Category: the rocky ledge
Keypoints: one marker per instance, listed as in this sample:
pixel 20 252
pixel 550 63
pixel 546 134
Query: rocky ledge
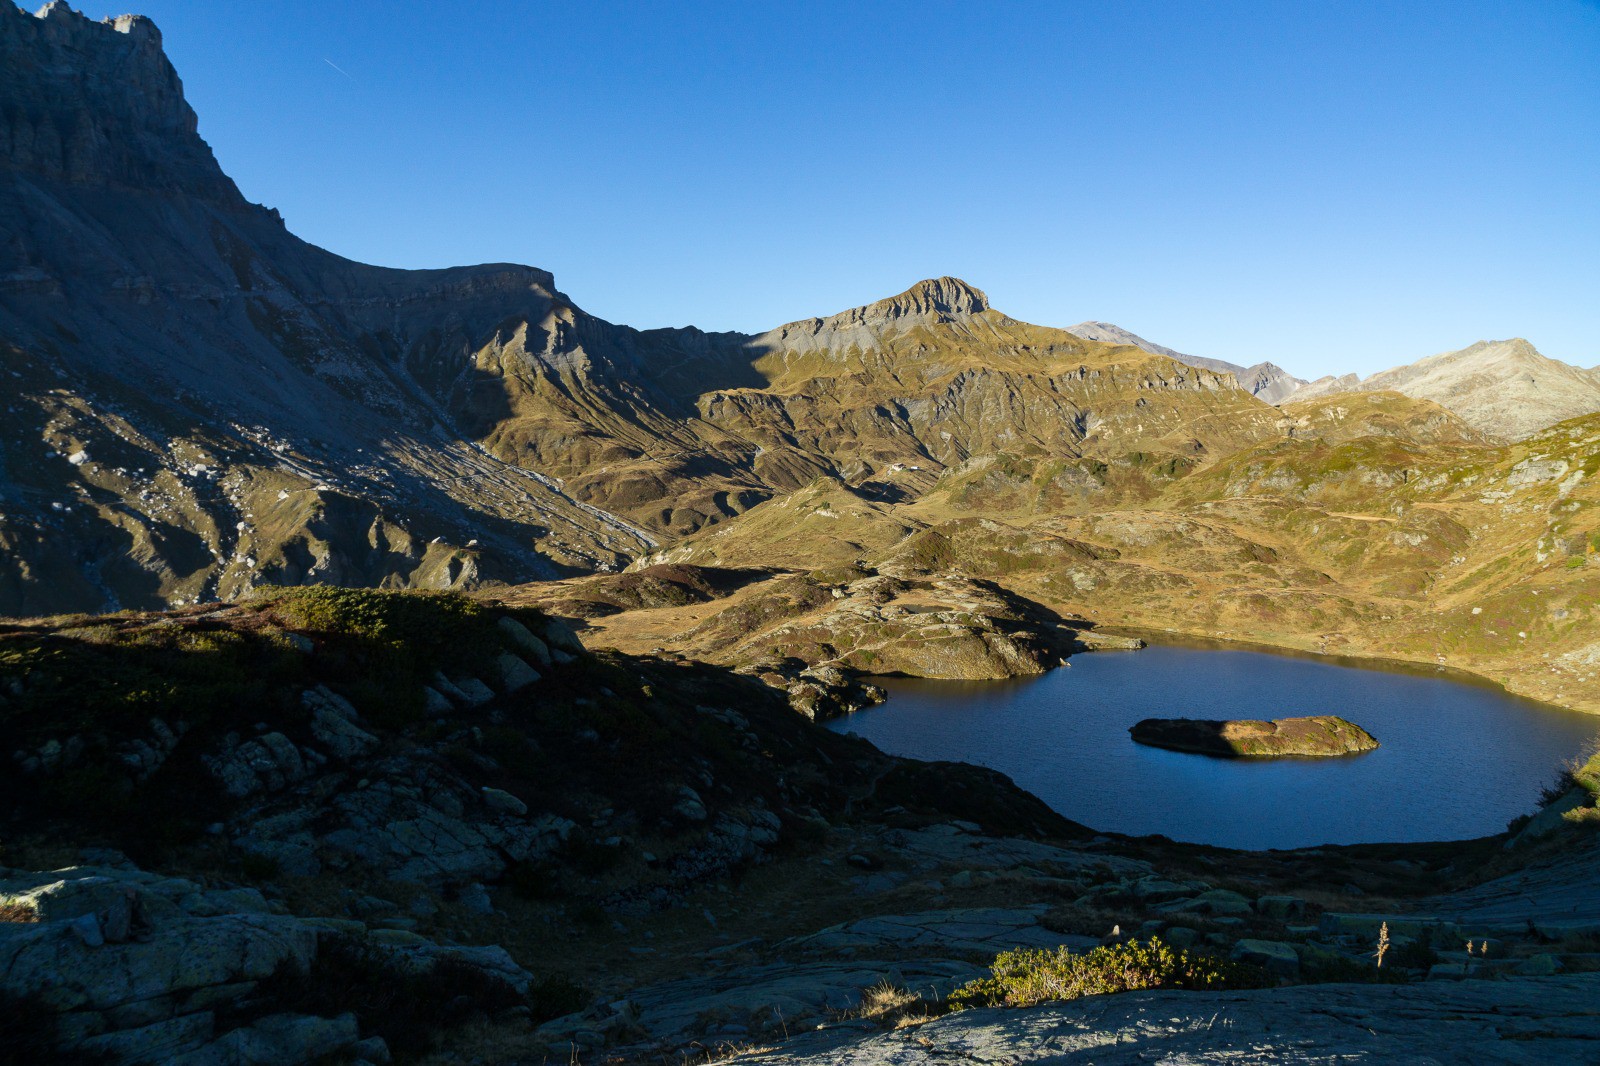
pixel 1317 736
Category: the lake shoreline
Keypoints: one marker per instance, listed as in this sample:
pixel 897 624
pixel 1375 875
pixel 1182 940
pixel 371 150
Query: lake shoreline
pixel 1382 663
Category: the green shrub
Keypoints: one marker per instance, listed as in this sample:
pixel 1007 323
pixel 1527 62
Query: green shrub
pixel 1024 978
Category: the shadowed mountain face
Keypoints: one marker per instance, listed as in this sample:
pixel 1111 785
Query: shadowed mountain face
pixel 201 402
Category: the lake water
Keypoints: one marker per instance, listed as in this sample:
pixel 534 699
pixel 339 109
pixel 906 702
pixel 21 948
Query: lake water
pixel 1457 760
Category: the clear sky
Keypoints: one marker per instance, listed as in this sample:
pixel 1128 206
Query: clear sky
pixel 1333 186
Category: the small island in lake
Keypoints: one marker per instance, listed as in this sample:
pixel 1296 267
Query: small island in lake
pixel 1317 736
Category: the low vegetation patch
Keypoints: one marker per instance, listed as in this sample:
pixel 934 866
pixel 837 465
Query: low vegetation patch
pixel 105 723
pixel 1025 978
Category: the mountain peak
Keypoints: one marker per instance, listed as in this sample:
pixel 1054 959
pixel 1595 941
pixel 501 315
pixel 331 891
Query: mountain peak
pixel 98 104
pixel 943 295
pixel 1111 333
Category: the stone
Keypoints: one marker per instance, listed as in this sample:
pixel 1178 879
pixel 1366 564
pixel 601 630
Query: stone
pixel 1541 966
pixel 162 1042
pixel 449 689
pixel 86 927
pixel 475 898
pixel 525 640
pixel 559 635
pixel 333 725
pixel 515 675
pixel 291 1039
pixel 179 956
pixel 269 763
pixel 976 931
pixel 434 703
pixel 474 693
pixel 292 858
pixel 690 806
pixel 1274 956
pixel 1281 906
pixel 1160 890
pixel 501 800
pixel 373 1049
pixel 1365 927
pixel 1219 901
pixel 1181 936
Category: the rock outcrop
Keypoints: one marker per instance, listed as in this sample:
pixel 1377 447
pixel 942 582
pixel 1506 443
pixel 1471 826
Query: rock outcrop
pixel 134 967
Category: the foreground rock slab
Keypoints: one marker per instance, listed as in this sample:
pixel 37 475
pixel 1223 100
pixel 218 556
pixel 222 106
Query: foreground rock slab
pixel 1543 1020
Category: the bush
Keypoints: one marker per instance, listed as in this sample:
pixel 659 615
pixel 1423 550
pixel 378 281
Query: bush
pixel 1024 978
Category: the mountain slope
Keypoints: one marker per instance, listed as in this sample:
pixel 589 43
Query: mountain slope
pixel 1507 389
pixel 201 402
pixel 205 403
pixel 1265 381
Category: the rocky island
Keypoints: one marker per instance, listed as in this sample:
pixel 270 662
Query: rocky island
pixel 1317 736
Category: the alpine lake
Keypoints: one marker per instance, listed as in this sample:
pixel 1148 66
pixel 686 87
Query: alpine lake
pixel 1457 758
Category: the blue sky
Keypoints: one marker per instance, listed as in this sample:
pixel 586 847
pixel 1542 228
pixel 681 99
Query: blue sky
pixel 1334 187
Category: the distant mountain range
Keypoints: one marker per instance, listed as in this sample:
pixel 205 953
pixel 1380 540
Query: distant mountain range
pixel 1504 388
pixel 1266 381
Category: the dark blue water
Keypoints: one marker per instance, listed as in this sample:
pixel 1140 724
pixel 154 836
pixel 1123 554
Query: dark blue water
pixel 1457 760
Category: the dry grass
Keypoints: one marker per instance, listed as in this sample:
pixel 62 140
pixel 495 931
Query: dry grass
pixel 17 913
pixel 894 1007
pixel 1587 817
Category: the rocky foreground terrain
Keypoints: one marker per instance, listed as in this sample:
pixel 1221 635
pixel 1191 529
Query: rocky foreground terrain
pixel 428 828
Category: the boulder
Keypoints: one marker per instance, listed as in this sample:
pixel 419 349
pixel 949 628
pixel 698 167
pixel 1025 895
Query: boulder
pixel 1218 901
pixel 525 640
pixel 333 725
pixel 560 635
pixel 501 800
pixel 515 674
pixel 1274 956
pixel 1281 906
